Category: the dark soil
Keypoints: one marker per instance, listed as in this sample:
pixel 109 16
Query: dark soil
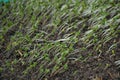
pixel 93 65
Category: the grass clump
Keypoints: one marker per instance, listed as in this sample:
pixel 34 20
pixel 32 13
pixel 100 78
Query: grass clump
pixel 42 37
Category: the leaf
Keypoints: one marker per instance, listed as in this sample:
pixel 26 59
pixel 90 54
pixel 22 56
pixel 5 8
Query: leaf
pixel 117 62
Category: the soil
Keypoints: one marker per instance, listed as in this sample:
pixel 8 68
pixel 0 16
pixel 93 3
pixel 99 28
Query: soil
pixel 98 66
pixel 94 67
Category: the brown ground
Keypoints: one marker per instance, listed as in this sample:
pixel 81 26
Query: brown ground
pixel 93 66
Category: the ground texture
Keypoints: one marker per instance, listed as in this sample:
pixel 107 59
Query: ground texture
pixel 60 40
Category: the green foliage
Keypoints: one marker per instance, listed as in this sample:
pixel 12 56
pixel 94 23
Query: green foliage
pixel 46 31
